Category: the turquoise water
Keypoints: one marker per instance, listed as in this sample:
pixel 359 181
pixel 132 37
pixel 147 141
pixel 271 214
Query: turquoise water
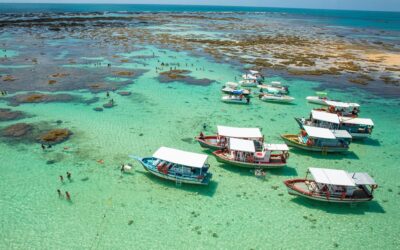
pixel 236 211
pixel 137 210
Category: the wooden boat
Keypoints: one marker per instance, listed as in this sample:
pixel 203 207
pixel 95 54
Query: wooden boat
pixel 266 97
pixel 342 108
pixel 220 140
pixel 319 139
pixel 236 99
pixel 244 153
pixel 357 127
pixel 331 185
pixel 177 165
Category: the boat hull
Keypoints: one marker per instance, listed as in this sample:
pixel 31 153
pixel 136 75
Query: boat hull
pixel 296 187
pixel 291 140
pixel 222 159
pixel 209 142
pixel 153 170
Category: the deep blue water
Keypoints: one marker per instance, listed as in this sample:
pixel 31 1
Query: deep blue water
pixel 349 18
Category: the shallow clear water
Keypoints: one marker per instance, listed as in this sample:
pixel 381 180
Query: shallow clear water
pixel 237 210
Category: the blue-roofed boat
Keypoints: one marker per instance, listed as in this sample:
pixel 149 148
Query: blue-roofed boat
pixel 177 165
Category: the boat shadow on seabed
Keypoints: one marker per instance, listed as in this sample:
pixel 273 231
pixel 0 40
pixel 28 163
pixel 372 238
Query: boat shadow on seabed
pixel 338 208
pixel 208 190
pixel 284 171
pixel 318 155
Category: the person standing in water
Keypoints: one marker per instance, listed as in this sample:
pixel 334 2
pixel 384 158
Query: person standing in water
pixel 62 178
pixel 59 192
pixel 69 176
pixel 68 196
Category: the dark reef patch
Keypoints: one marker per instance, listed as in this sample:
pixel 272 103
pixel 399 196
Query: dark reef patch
pixel 178 75
pixel 55 136
pixel 17 130
pixel 9 115
pixel 40 98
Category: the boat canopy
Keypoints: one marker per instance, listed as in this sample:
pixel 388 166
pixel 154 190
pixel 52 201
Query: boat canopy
pixel 325 116
pixel 357 121
pixel 362 179
pixel 242 145
pixel 276 83
pixel 276 147
pixel 239 132
pixel 342 104
pixel 331 177
pixel 317 132
pixel 254 72
pixel 180 157
pixel 342 134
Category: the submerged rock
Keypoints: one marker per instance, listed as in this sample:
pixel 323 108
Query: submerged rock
pixel 17 130
pixel 124 93
pixel 108 105
pixel 40 98
pixel 182 76
pixel 8 115
pixel 55 136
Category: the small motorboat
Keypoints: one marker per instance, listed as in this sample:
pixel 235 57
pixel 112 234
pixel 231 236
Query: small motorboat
pixel 320 99
pixel 232 88
pixel 248 83
pixel 252 154
pixel 357 127
pixel 178 165
pixel 332 185
pixel 220 140
pixel 320 140
pixel 273 89
pixel 266 97
pixel 236 99
pixel 253 75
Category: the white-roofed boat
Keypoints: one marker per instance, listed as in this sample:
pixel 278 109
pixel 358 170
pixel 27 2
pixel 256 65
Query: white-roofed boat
pixel 357 127
pixel 342 108
pixel 220 140
pixel 319 139
pixel 252 154
pixel 236 99
pixel 178 165
pixel 266 97
pixel 332 185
